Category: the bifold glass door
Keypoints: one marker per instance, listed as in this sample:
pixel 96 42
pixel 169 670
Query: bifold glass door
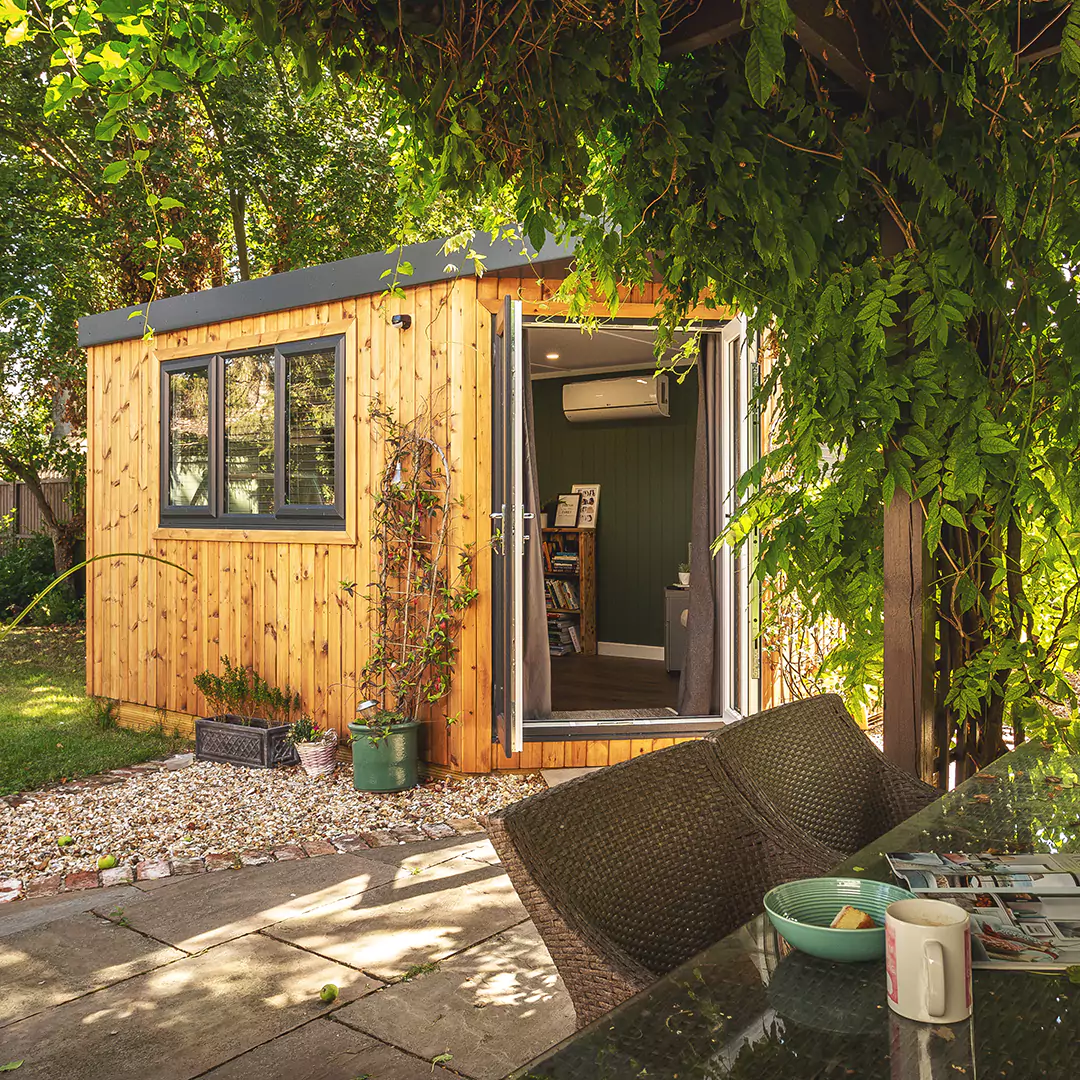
pixel 739 615
pixel 508 527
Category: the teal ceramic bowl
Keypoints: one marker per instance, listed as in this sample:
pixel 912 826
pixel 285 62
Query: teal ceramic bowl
pixel 802 910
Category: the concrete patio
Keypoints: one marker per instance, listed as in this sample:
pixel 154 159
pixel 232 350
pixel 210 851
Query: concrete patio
pixel 439 970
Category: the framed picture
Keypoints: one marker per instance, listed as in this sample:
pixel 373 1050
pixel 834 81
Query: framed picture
pixel 590 503
pixel 567 513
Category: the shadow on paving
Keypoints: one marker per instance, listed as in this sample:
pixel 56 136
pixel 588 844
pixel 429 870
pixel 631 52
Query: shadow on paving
pixel 219 974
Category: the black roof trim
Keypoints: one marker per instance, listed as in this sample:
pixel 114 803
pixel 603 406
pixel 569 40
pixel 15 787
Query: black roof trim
pixel 361 275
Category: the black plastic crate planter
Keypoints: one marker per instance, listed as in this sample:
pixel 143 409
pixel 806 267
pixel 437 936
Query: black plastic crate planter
pixel 254 743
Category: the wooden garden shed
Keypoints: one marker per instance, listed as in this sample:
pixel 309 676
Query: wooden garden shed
pixel 265 568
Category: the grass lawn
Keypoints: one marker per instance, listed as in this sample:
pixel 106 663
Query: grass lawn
pixel 49 729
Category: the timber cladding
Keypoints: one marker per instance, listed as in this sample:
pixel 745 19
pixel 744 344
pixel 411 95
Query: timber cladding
pixel 272 599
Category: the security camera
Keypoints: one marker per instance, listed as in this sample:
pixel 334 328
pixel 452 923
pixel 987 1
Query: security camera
pixel 402 322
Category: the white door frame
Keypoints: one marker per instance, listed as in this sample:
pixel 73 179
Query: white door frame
pixel 738 620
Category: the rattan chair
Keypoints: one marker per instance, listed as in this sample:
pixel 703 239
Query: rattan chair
pixel 630 870
pixel 811 762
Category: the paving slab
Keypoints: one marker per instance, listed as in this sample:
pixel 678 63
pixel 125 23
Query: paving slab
pixel 425 853
pixel 25 914
pixel 497 1005
pixel 324 1050
pixel 416 919
pixel 485 852
pixel 178 1021
pixel 207 909
pixel 56 961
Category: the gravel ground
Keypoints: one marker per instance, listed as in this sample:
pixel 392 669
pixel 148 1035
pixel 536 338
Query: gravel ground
pixel 208 808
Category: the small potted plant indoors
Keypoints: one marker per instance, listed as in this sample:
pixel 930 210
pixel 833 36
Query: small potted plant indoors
pixel 684 573
pixel 317 748
pixel 249 720
pixel 416 605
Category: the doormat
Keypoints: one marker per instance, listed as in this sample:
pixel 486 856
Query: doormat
pixel 613 714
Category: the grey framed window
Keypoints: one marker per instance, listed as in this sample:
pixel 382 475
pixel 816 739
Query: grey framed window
pixel 254 439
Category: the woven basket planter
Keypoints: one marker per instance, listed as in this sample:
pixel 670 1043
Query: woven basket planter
pixel 318 758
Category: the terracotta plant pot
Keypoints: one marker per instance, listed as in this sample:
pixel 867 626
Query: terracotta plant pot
pixel 318 758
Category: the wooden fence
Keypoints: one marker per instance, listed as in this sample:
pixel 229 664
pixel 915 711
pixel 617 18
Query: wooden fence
pixel 20 514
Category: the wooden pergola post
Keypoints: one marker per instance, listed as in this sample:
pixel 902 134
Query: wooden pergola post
pixel 909 660
pixel 909 640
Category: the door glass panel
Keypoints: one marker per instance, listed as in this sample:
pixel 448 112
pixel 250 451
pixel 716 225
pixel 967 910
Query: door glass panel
pixel 310 422
pixel 249 433
pixel 189 437
pixel 736 449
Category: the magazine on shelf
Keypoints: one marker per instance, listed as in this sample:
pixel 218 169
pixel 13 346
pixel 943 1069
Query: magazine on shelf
pixel 1025 909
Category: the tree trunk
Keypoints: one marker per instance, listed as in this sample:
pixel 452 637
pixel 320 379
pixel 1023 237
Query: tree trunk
pixel 64 534
pixel 237 207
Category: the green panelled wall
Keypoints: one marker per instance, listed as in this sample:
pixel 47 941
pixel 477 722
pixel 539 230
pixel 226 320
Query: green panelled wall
pixel 645 472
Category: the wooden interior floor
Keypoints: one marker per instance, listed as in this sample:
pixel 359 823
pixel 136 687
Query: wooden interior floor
pixel 601 682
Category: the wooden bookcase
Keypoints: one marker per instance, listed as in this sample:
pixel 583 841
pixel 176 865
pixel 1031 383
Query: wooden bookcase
pixel 583 578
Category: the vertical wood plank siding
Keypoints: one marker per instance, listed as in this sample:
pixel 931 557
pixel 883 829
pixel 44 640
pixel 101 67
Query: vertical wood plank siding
pixel 272 600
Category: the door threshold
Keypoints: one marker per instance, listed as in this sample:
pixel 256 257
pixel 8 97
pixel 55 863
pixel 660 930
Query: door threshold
pixel 626 728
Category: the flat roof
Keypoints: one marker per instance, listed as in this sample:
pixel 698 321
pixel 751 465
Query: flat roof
pixel 361 275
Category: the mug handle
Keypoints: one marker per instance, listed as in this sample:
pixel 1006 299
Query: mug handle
pixel 934 956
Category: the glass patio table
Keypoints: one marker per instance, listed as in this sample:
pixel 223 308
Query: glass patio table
pixel 742 1009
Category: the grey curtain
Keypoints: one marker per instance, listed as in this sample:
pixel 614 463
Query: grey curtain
pixel 699 681
pixel 537 659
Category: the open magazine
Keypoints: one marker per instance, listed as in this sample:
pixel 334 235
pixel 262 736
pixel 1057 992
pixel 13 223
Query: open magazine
pixel 1025 909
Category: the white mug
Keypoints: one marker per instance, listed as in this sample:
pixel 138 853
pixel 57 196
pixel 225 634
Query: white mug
pixel 928 961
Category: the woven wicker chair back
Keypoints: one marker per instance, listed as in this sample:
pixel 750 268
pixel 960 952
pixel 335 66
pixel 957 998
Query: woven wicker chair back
pixel 816 766
pixel 659 855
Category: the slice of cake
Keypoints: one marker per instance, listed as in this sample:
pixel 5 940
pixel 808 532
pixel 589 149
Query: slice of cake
pixel 851 918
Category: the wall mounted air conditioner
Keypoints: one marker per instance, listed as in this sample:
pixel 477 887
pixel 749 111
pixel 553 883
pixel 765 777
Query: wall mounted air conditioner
pixel 630 397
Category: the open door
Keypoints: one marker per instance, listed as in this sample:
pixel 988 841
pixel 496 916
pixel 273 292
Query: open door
pixel 508 528
pixel 739 621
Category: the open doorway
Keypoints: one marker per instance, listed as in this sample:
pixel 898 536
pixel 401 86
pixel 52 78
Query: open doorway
pixel 614 449
pixel 607 481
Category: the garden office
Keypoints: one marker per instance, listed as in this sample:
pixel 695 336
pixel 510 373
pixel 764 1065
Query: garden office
pixel 233 440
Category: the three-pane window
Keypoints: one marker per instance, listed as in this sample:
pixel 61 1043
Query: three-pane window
pixel 253 439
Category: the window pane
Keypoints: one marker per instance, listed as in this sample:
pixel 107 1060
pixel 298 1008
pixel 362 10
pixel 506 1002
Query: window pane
pixel 310 437
pixel 249 433
pixel 189 437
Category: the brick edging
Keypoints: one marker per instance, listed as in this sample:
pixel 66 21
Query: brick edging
pixel 155 869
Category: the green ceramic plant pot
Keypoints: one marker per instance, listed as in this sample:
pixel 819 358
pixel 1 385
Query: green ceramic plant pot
pixel 391 765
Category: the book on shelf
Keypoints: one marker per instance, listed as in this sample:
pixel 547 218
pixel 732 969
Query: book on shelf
pixel 561 595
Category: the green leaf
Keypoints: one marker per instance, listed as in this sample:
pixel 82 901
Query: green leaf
pixel 593 204
pixel 1070 42
pixel 993 445
pixel 12 11
pixel 107 128
pixel 169 203
pixel 761 74
pixel 174 243
pixel 952 515
pixel 166 80
pixel 11 1066
pixel 115 171
pixel 140 130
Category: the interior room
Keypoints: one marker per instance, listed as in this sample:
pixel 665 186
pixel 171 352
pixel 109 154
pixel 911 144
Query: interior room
pixel 615 468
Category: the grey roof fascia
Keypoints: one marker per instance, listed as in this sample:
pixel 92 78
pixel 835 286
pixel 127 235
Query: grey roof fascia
pixel 361 275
